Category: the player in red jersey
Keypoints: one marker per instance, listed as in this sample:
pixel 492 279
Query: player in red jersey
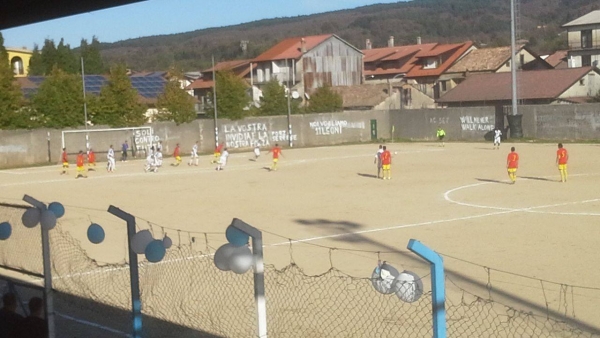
pixel 91 158
pixel 176 155
pixel 65 162
pixel 218 149
pixel 276 150
pixel 512 164
pixel 80 165
pixel 386 163
pixel 562 157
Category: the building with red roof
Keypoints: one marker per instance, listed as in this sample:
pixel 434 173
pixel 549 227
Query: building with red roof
pixel 568 85
pixel 418 67
pixel 310 62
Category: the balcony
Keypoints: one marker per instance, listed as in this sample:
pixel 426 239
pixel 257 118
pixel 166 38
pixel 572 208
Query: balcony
pixel 585 40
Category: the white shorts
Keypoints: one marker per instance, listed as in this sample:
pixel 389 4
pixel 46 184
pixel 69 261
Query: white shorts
pixel 497 140
pixel 194 155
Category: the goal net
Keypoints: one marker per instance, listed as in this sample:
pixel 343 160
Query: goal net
pixel 139 139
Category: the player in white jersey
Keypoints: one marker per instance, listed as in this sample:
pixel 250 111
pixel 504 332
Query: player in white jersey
pixel 497 138
pixel 151 164
pixel 158 158
pixel 194 156
pixel 378 160
pixel 110 156
pixel 256 152
pixel 223 160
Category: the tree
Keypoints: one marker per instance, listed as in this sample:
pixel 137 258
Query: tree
pixel 49 56
pixel 65 59
pixel 36 64
pixel 175 104
pixel 274 100
pixel 118 104
pixel 91 56
pixel 231 95
pixel 325 100
pixel 11 98
pixel 59 100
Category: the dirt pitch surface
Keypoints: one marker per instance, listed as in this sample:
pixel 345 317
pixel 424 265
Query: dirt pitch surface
pixel 455 199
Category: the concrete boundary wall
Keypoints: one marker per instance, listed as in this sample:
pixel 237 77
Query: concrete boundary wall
pixel 548 122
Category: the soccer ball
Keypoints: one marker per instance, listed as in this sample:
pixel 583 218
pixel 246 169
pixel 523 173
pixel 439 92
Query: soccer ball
pixel 395 153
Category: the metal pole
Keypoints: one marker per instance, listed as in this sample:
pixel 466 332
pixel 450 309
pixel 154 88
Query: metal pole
pixel 87 137
pixel 437 284
pixel 49 152
pixel 215 102
pixel 136 303
pixel 289 104
pixel 259 273
pixel 513 51
pixel 48 292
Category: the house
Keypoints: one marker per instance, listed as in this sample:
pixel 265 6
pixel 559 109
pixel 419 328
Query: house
pixel 19 59
pixel 307 63
pixel 584 40
pixel 419 67
pixel 490 60
pixel 553 86
pixel 202 86
pixel 558 59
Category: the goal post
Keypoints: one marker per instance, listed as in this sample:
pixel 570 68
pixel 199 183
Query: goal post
pixel 140 139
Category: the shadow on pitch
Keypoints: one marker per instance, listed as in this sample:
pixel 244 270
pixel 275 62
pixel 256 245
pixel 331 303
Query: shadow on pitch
pixel 367 175
pixel 492 181
pixel 537 178
pixel 342 231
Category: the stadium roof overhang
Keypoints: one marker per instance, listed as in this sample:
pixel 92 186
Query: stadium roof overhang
pixel 16 13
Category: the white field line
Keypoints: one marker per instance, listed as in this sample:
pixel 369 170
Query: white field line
pixel 531 210
pixel 195 171
pixel 98 326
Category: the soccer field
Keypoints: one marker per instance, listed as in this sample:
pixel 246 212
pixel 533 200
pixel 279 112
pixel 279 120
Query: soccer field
pixel 455 199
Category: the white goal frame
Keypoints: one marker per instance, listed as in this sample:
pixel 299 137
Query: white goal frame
pixel 88 131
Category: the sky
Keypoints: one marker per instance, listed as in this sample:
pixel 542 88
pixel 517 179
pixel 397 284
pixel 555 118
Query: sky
pixel 161 17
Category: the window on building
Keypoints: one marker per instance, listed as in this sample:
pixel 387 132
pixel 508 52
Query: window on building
pixel 582 82
pixel 586 60
pixel 444 85
pixel 521 61
pixel 586 38
pixel 507 64
pixel 430 63
pixel 17 66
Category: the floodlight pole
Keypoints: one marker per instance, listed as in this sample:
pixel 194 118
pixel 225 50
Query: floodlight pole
pixel 134 275
pixel 259 273
pixel 87 137
pixel 289 104
pixel 513 51
pixel 48 294
pixel 437 284
pixel 215 102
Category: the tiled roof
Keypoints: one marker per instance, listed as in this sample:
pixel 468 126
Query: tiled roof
pixel 366 95
pixel 228 65
pixel 412 54
pixel 291 48
pixel 534 84
pixel 560 56
pixel 485 59
pixel 394 53
pixel 588 19
pixel 201 84
pixel 452 53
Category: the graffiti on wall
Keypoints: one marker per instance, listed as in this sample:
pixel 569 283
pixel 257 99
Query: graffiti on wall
pixel 477 123
pixel 143 139
pixel 251 135
pixel 439 120
pixel 334 127
pixel 13 149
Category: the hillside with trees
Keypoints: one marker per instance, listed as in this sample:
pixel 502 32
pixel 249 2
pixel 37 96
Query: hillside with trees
pixel 486 22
